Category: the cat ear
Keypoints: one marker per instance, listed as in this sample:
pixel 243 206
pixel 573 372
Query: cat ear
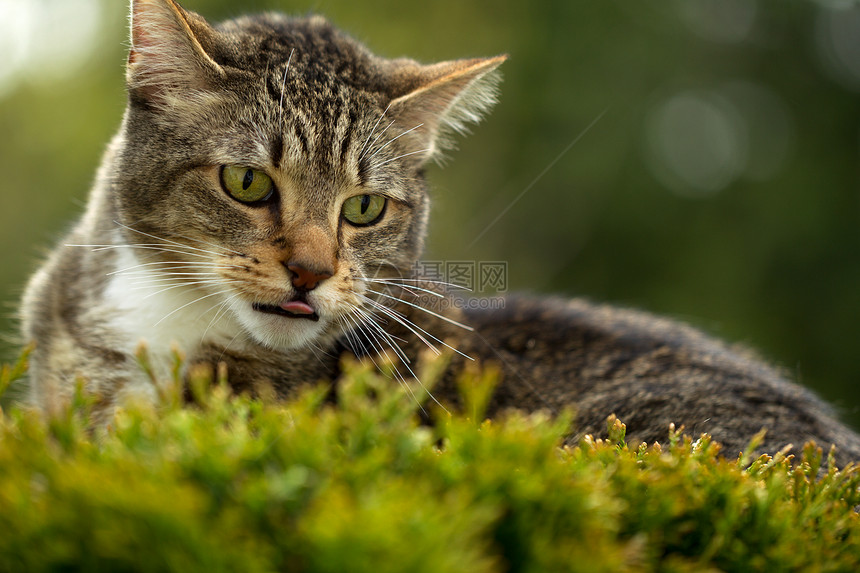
pixel 443 99
pixel 168 53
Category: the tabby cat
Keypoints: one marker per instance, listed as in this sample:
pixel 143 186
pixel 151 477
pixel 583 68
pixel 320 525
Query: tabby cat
pixel 262 206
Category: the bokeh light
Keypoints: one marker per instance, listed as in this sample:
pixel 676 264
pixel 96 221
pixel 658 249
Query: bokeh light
pixel 768 125
pixel 720 20
pixel 44 41
pixel 698 143
pixel 837 39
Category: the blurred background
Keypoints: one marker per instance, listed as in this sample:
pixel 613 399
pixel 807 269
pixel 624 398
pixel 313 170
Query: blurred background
pixel 695 158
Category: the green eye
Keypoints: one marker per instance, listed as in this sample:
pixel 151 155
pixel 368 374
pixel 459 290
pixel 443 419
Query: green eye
pixel 363 209
pixel 245 184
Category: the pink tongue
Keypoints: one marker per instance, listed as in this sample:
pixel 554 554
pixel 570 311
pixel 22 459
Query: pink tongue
pixel 298 307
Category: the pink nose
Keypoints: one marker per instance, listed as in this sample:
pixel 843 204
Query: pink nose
pixel 306 279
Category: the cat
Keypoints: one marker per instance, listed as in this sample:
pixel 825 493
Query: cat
pixel 261 208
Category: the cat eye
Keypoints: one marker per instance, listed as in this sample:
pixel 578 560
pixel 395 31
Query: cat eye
pixel 245 184
pixel 363 209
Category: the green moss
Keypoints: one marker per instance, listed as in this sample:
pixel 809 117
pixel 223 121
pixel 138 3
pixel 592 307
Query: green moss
pixel 241 484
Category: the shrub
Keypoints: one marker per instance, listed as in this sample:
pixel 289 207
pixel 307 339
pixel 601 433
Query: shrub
pixel 235 483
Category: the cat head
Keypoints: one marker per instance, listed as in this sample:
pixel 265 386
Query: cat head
pixel 285 158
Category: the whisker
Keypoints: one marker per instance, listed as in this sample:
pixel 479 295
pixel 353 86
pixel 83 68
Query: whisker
pixel 377 348
pixel 405 322
pixel 371 315
pixel 217 246
pixel 409 324
pixel 370 320
pixel 159 248
pixel 186 280
pixel 393 140
pixel 177 278
pixel 381 133
pixel 268 108
pixel 284 88
pixel 428 311
pixel 229 344
pixel 387 161
pixel 167 264
pixel 168 275
pixel 175 243
pixel 148 285
pixel 144 283
pixel 168 286
pixel 411 289
pixel 165 288
pixel 363 147
pixel 363 319
pixel 428 281
pixel 222 311
pixel 189 304
pixel 397 350
pixel 317 347
pixel 347 331
pixel 322 350
pixel 351 337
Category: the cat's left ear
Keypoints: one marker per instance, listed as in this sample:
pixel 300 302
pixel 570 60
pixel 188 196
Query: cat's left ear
pixel 169 50
pixel 443 99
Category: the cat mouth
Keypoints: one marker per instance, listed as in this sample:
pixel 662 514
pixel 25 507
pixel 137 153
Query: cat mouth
pixel 290 309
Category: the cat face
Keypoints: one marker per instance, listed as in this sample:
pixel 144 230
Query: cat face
pixel 275 165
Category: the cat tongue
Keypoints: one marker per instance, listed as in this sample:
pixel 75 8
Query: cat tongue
pixel 298 307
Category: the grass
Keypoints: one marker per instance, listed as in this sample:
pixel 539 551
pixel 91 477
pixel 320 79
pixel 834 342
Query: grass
pixel 242 484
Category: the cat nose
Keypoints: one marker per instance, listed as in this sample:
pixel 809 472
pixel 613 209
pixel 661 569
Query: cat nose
pixel 304 278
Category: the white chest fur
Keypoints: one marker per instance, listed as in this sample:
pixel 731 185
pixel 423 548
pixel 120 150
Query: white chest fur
pixel 151 307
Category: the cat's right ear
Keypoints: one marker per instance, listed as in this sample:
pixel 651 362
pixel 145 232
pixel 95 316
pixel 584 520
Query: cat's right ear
pixel 168 51
pixel 442 99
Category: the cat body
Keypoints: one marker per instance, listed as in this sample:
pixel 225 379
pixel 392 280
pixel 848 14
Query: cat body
pixel 262 207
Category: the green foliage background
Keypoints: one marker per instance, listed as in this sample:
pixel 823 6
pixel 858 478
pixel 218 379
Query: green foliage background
pixel 770 261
